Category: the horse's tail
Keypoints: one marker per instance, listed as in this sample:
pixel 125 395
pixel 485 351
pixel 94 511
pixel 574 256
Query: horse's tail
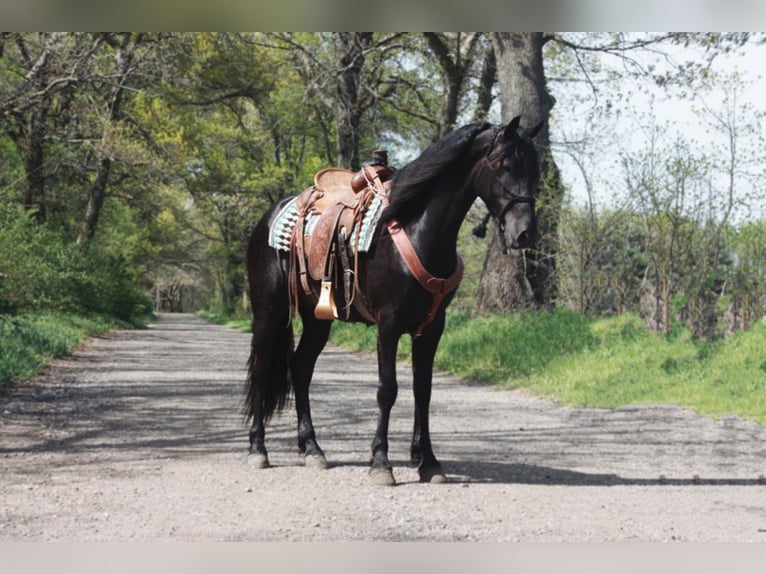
pixel 268 374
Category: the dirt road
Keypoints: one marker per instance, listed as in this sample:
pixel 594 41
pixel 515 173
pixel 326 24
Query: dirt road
pixel 139 436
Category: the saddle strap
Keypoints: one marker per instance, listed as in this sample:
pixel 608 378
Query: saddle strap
pixel 437 286
pixel 298 246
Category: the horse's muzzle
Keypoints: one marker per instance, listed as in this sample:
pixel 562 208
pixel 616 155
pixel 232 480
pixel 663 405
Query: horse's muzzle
pixel 523 240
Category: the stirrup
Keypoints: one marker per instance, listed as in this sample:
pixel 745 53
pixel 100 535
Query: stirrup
pixel 326 308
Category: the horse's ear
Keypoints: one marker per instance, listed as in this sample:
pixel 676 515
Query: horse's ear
pixel 536 130
pixel 511 131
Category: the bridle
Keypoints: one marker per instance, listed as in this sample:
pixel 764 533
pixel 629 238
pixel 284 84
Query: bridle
pixel 513 198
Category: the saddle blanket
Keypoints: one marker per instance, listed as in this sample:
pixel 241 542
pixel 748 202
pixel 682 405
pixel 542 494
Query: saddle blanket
pixel 284 223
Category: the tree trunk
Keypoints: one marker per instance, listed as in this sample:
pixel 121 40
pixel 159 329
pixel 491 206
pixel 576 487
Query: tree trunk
pixel 486 83
pixel 350 55
pixel 125 48
pixel 455 53
pixel 516 280
pixel 34 161
pixel 95 202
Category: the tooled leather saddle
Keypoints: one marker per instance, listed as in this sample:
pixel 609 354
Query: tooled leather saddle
pixel 337 201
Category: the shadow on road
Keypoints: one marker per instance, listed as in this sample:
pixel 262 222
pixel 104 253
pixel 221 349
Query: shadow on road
pixel 514 473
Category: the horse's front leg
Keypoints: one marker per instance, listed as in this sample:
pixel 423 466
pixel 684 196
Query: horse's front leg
pixel 381 471
pixel 423 352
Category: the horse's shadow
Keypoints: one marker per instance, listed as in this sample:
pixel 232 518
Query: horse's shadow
pixel 495 472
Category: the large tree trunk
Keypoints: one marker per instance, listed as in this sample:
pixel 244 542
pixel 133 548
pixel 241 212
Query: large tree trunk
pixel 516 280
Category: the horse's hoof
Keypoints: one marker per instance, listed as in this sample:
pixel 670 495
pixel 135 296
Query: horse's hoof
pixel 258 460
pixel 382 477
pixel 315 461
pixel 432 475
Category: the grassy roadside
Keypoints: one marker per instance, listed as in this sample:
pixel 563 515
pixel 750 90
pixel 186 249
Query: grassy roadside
pixel 617 362
pixel 610 362
pixel 239 324
pixel 30 341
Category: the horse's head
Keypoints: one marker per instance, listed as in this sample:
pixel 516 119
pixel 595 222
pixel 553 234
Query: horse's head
pixel 510 175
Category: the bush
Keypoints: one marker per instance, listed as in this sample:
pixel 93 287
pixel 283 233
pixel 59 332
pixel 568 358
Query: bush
pixel 41 270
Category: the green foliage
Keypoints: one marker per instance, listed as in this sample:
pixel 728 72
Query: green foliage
pixel 603 266
pixel 629 365
pixel 29 341
pixel 41 270
pixel 12 170
pixel 504 347
pixel 360 337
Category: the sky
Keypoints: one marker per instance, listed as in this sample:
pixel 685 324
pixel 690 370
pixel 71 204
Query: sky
pixel 621 136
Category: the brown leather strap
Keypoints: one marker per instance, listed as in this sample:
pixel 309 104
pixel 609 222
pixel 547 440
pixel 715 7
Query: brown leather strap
pixel 437 286
pixel 298 248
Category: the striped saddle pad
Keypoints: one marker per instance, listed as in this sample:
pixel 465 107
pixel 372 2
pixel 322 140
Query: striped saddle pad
pixel 284 223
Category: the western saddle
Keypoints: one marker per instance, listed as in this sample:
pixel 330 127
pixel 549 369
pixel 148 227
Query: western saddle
pixel 338 199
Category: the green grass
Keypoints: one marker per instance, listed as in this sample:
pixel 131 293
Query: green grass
pixel 28 342
pixel 630 365
pixel 239 324
pixel 510 346
pixel 610 362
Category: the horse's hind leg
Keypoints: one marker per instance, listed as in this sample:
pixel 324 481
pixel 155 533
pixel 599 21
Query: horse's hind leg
pixel 268 382
pixel 312 341
pixel 423 352
pixel 272 347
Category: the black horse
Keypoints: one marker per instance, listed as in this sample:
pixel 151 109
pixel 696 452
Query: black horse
pixel 428 200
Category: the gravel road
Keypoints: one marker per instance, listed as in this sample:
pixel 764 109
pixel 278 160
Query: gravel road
pixel 139 436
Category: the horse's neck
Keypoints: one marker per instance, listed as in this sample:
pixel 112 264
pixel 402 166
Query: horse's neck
pixel 434 233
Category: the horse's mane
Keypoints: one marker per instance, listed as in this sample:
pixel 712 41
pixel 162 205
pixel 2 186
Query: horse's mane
pixel 412 181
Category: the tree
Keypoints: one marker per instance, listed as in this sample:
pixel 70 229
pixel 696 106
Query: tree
pixel 456 54
pixel 116 79
pixel 747 282
pixel 40 73
pixel 603 267
pixel 523 60
pixel 510 280
pixel 736 153
pixel 347 74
